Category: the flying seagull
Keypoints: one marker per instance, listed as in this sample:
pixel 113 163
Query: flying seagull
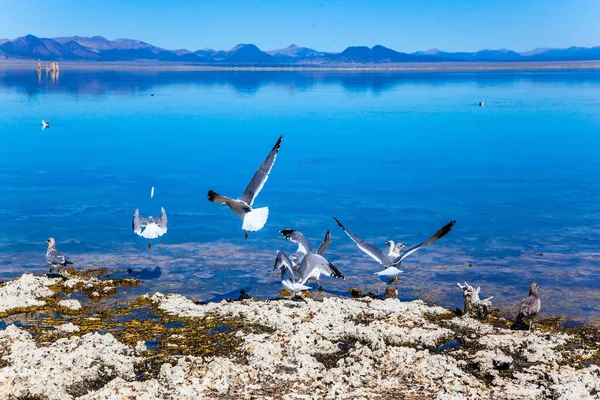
pixel 482 104
pixel 253 218
pixel 530 307
pixel 310 265
pixel 393 258
pixel 55 258
pixel 153 227
pixel 45 124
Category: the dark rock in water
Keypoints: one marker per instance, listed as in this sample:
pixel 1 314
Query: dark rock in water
pixel 391 292
pixel 244 295
pixel 355 292
pixel 372 295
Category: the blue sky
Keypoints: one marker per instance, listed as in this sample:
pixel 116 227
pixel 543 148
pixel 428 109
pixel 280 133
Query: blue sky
pixel 324 25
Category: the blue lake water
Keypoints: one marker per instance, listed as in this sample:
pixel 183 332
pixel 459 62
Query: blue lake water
pixel 393 156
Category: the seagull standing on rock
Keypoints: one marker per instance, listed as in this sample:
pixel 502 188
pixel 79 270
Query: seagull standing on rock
pixel 253 219
pixel 530 307
pixel 55 258
pixel 153 227
pixel 393 259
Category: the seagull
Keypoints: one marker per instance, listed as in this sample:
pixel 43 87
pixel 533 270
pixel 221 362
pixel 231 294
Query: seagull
pixel 310 265
pixel 45 124
pixel 253 218
pixel 394 248
pixel 391 260
pixel 531 306
pixel 55 258
pixel 154 227
pixel 298 238
pixel 290 278
pixel 482 104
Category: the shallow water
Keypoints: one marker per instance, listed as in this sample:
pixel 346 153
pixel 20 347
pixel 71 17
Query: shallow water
pixel 393 156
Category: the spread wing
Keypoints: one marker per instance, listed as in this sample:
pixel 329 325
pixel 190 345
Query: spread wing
pixel 436 236
pixel 367 248
pixel 299 239
pixel 162 220
pixel 323 246
pixel 261 176
pixel 138 222
pixel 55 257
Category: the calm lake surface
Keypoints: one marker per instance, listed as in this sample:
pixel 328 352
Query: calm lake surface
pixel 393 156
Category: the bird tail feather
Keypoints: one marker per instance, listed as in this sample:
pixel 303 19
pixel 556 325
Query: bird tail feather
pixel 255 219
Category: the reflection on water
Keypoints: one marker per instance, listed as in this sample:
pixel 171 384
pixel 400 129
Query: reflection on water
pixel 249 82
pixel 392 155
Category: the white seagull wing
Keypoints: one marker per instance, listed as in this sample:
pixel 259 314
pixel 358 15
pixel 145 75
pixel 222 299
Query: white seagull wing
pixel 298 238
pixel 323 246
pixel 443 231
pixel 138 222
pixel 367 248
pixel 261 176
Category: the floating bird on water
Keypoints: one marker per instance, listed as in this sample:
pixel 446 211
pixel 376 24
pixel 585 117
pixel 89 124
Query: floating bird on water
pixel 308 264
pixel 45 124
pixel 253 218
pixel 153 227
pixel 530 307
pixel 393 259
pixel 55 258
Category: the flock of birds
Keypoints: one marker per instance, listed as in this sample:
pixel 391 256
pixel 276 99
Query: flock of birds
pixel 304 264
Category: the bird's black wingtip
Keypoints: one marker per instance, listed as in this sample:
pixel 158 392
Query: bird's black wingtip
pixel 339 223
pixel 278 144
pixel 211 195
pixel 287 232
pixel 336 272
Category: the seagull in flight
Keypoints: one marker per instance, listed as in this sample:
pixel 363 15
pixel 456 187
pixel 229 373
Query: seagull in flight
pixel 55 258
pixel 307 264
pixel 253 218
pixel 393 258
pixel 45 124
pixel 153 227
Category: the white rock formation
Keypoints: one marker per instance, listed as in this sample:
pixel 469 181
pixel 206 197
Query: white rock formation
pixel 71 304
pixel 337 348
pixel 25 292
pixel 64 369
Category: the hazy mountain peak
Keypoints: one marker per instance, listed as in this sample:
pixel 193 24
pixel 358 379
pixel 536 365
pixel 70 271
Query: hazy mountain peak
pixel 123 49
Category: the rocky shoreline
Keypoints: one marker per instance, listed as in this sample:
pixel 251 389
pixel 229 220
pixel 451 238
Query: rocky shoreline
pixel 68 343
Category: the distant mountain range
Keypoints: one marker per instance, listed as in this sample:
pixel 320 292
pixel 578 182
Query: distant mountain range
pixel 97 48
